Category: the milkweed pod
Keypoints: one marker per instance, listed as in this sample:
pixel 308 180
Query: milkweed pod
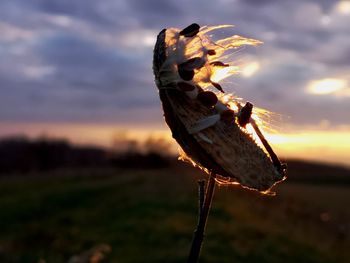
pixel 203 124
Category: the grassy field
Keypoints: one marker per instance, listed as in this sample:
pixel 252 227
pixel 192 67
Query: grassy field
pixel 150 216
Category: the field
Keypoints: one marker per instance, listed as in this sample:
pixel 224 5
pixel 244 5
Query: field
pixel 149 215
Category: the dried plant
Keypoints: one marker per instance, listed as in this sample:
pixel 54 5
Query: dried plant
pixel 215 131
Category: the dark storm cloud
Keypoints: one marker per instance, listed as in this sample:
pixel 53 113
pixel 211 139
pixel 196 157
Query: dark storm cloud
pixel 90 60
pixel 90 81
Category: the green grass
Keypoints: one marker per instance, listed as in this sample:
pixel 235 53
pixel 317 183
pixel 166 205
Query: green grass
pixel 150 216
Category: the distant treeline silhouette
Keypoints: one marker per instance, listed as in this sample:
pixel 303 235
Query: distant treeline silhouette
pixel 20 154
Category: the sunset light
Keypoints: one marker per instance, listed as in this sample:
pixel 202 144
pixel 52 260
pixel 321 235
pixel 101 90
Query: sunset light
pixel 303 142
pixel 69 70
pixel 122 120
pixel 343 7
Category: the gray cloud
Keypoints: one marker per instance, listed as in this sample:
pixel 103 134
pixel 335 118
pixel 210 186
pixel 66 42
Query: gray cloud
pixel 91 60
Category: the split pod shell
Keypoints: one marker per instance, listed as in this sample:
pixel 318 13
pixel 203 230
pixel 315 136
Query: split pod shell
pixel 232 153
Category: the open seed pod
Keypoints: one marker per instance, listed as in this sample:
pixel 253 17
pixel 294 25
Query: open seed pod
pixel 210 129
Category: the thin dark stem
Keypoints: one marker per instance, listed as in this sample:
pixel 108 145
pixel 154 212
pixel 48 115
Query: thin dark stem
pixel 201 195
pixel 281 167
pixel 199 233
pixel 266 144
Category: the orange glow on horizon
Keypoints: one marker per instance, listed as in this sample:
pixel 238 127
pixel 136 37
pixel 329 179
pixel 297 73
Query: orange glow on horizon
pixel 325 146
pixel 332 146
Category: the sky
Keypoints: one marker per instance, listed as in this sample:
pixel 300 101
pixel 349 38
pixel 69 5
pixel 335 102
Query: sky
pixel 83 69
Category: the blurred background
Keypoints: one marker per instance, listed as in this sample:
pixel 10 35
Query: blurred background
pixel 88 169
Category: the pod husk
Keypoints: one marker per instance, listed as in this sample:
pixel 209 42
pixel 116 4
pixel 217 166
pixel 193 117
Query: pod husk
pixel 233 153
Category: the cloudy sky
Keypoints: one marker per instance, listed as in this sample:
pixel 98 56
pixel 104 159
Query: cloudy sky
pixel 89 62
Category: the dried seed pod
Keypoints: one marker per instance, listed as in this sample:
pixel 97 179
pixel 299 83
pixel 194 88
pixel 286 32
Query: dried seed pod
pixel 231 151
pixel 190 31
pixel 207 98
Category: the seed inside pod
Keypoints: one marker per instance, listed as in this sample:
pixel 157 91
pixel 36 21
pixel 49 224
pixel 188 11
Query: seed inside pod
pixel 211 52
pixel 244 114
pixel 219 64
pixel 186 74
pixel 186 69
pixel 207 98
pixel 228 116
pixel 193 63
pixel 190 31
pixel 217 85
pixel 184 86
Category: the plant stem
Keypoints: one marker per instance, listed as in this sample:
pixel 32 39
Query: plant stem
pixel 203 216
pixel 201 195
